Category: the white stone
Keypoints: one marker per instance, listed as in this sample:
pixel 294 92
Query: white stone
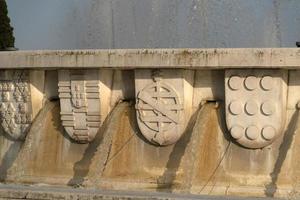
pixel 235 107
pixel 161 110
pixel 267 82
pixel 268 108
pixel 79 95
pixel 264 98
pixel 250 82
pixel 251 107
pixel 271 58
pixel 237 132
pixel 252 132
pixel 235 82
pixel 268 132
pixel 21 100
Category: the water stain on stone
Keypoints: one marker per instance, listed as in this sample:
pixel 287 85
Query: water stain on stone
pixel 208 153
pixel 103 139
pixel 120 160
pixel 271 188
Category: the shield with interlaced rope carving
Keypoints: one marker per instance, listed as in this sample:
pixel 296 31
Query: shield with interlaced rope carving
pixel 159 113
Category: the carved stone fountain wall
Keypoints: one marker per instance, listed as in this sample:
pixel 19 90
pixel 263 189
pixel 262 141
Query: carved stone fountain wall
pixel 202 121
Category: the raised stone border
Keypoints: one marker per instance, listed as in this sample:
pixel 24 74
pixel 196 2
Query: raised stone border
pixel 55 193
pixel 287 58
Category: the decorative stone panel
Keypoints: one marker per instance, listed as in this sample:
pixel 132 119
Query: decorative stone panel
pixel 80 103
pixel 15 104
pixel 255 105
pixel 159 105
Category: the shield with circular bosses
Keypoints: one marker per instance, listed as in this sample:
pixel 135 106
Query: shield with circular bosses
pixel 255 105
pixel 159 112
pixel 80 103
pixel 15 106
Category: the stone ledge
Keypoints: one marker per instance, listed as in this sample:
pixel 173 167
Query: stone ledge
pixel 43 192
pixel 287 58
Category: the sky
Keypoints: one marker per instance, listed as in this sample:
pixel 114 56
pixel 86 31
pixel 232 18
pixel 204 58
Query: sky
pixel 102 24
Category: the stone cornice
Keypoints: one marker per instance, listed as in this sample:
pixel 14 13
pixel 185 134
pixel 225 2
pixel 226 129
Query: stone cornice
pixel 286 58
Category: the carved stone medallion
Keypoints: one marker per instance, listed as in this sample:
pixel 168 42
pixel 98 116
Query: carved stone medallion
pixel 159 111
pixel 255 105
pixel 80 103
pixel 15 105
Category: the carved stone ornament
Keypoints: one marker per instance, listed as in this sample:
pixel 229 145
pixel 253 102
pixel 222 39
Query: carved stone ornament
pixel 255 105
pixel 15 105
pixel 159 110
pixel 80 103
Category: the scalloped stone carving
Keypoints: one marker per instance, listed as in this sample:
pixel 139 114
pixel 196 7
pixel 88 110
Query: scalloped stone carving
pixel 255 105
pixel 80 103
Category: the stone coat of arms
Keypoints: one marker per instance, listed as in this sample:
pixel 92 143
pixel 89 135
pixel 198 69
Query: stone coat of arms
pixel 15 106
pixel 80 103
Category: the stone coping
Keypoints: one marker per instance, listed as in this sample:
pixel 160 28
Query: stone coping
pixel 46 192
pixel 286 58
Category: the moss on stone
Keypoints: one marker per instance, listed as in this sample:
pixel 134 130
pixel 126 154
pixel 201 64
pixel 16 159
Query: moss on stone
pixel 6 31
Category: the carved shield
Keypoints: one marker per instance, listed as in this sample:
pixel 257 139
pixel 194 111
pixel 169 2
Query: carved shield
pixel 15 106
pixel 159 109
pixel 80 103
pixel 78 92
pixel 255 105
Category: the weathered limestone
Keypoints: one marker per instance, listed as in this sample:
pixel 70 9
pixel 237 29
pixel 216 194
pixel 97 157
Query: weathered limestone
pixel 17 101
pixel 44 192
pixel 200 121
pixel 272 58
pixel 79 95
pixel 160 105
pixel 255 105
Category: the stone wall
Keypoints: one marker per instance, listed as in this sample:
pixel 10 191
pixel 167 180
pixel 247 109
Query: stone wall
pixel 199 121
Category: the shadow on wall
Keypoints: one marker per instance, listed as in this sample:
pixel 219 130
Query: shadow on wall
pixel 271 188
pixel 166 181
pixel 9 157
pixel 198 139
pixel 100 145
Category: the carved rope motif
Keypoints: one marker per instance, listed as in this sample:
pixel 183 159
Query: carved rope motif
pixel 80 104
pixel 15 106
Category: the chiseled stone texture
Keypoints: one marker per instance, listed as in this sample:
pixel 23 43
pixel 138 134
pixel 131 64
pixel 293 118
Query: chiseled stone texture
pixel 20 100
pixel 162 113
pixel 79 95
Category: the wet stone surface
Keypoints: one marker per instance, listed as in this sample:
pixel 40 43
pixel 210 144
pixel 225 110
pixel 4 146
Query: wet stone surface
pixel 52 193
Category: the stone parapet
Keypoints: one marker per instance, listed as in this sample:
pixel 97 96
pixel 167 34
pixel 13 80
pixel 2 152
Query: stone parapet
pixel 199 121
pixel 286 58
